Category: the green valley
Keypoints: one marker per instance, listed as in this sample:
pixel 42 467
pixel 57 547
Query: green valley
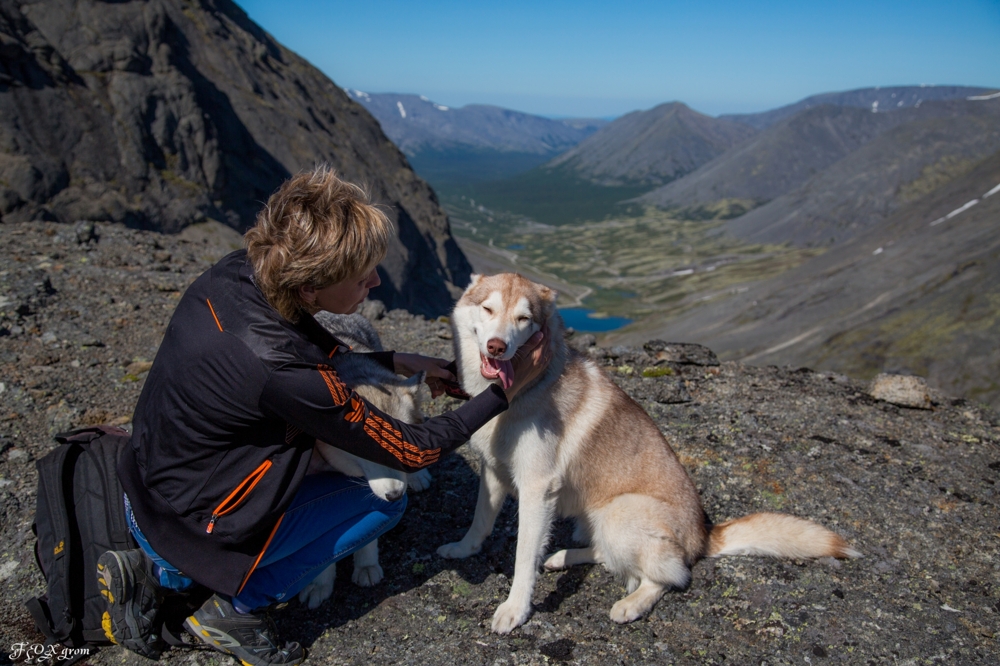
pixel 641 262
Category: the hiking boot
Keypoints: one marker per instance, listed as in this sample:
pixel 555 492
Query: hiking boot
pixel 250 637
pixel 133 594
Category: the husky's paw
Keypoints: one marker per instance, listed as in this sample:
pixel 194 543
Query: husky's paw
pixel 419 480
pixel 457 550
pixel 556 562
pixel 509 616
pixel 626 610
pixel 318 591
pixel 367 576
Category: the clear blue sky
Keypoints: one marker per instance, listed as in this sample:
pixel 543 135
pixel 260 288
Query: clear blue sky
pixel 586 58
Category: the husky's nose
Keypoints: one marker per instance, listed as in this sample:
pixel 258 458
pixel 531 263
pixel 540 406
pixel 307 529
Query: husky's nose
pixel 496 346
pixel 394 495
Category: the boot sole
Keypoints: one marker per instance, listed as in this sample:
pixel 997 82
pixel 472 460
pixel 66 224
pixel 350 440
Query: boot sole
pixel 117 588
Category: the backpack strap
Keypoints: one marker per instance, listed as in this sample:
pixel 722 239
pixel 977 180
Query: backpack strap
pixel 54 545
pixel 40 613
pixel 89 434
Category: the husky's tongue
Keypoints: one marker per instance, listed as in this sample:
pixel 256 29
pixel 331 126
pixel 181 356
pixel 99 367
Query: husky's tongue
pixel 493 368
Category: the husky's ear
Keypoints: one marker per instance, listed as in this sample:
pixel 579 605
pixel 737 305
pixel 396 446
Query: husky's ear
pixel 549 297
pixel 474 280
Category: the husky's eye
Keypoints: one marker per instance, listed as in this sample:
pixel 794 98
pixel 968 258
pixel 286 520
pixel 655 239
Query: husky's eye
pixel 523 320
pixel 488 311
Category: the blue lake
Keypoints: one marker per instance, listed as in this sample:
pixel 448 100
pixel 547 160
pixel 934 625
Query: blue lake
pixel 580 320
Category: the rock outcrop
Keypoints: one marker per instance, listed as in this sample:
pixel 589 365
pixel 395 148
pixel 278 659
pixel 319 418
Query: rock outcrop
pixel 165 113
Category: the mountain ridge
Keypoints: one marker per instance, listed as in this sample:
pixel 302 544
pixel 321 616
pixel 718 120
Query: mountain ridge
pixel 453 147
pixel 786 155
pixel 879 98
pixel 629 150
pixel 872 182
pixel 415 123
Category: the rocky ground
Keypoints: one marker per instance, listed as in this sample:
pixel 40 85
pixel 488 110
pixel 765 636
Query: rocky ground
pixel 914 490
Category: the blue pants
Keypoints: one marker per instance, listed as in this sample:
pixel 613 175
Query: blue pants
pixel 331 516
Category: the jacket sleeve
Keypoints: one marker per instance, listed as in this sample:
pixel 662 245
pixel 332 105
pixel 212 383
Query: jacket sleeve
pixel 314 400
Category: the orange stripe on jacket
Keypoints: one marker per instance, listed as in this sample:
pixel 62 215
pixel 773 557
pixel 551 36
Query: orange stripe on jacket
pixel 357 413
pixel 261 554
pixel 214 316
pixel 377 428
pixel 392 441
pixel 338 390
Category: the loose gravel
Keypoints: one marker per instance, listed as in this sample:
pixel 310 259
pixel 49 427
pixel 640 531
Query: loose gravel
pixel 82 310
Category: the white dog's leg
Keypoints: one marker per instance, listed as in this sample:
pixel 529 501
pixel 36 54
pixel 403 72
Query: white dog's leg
pixel 639 545
pixel 419 480
pixel 318 591
pixel 367 571
pixel 564 559
pixel 492 492
pixel 536 510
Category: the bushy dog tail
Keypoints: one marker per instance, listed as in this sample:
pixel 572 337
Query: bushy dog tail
pixel 776 535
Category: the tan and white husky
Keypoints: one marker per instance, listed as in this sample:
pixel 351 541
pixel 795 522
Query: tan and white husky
pixel 574 444
pixel 400 398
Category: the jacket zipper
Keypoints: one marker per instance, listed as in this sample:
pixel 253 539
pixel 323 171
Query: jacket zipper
pixel 239 493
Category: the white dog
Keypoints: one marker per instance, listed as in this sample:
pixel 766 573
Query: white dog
pixel 575 444
pixel 395 396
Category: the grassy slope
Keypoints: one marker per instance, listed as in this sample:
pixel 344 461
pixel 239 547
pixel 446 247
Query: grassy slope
pixel 903 297
pixel 633 265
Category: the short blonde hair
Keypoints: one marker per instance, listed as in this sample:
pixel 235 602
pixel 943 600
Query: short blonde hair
pixel 315 230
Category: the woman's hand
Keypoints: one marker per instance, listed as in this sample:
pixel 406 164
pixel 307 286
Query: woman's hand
pixel 529 361
pixel 410 364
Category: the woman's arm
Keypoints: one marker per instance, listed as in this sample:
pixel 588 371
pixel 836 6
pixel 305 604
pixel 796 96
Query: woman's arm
pixel 314 400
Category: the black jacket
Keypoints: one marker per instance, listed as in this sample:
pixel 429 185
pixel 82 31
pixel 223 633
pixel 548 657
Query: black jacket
pixel 226 422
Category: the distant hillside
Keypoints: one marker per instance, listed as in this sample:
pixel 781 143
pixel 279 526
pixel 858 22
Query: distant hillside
pixel 470 143
pixel 916 294
pixel 652 147
pixel 785 156
pixel 894 169
pixel 415 123
pixel 622 160
pixel 159 115
pixel 875 99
